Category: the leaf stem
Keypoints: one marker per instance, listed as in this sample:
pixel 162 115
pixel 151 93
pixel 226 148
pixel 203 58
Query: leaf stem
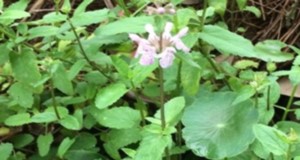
pixel 83 53
pixel 289 104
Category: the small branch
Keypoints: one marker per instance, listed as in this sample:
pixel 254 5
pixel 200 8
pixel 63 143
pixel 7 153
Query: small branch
pixel 109 4
pixel 83 53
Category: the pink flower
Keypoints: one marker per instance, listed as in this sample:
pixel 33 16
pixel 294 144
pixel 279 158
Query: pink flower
pixel 159 47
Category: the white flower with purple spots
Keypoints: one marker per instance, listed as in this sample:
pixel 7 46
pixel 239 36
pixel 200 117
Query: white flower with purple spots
pixel 161 47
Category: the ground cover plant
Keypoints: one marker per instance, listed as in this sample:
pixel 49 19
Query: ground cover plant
pixel 146 80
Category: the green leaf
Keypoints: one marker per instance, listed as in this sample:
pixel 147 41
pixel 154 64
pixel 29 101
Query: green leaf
pixel 270 50
pixel 13 14
pixel 227 41
pixel 83 154
pixel 82 7
pixel 119 118
pixel 88 18
pixel 244 64
pixel 220 126
pixel 64 147
pixel 49 115
pixel 110 94
pixel 116 139
pixel 70 122
pixel 294 75
pixel 29 74
pixel 75 69
pixel 126 25
pixel 60 79
pixel 140 73
pixel 43 31
pixel 21 140
pixel 4 56
pixel 184 15
pixel 18 119
pixel 219 5
pixel 5 150
pixel 271 139
pixel 44 144
pixel 22 94
pixel 253 10
pixel 152 147
pixel 173 110
pixel 190 78
pixel 84 141
pixel 241 4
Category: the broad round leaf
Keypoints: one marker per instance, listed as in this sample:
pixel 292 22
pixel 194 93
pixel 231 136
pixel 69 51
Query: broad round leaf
pixel 216 128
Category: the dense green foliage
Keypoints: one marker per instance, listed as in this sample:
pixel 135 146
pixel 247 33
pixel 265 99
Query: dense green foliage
pixel 72 89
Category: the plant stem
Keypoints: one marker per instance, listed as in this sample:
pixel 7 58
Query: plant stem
pixel 162 98
pixel 288 154
pixel 203 14
pixel 83 53
pixel 54 100
pixel 139 100
pixel 289 104
pixel 122 4
pixel 268 98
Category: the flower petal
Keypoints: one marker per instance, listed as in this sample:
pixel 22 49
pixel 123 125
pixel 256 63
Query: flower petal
pixel 152 37
pixel 180 45
pixel 167 57
pixel 135 38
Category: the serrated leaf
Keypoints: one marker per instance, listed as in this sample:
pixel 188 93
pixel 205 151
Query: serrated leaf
pixel 152 147
pixel 64 147
pixel 110 94
pixel 60 79
pixel 227 41
pixel 44 143
pixel 75 69
pixel 18 119
pixel 173 110
pixel 294 75
pixel 116 139
pixel 190 78
pixel 5 150
pixel 24 67
pixel 22 94
pixel 119 118
pixel 126 25
pixel 270 139
pixel 43 31
pixel 70 122
pixel 13 14
pixel 82 7
pixel 271 51
pixel 219 5
pixel 21 140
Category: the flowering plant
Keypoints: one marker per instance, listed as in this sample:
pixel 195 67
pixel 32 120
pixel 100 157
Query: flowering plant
pixel 162 47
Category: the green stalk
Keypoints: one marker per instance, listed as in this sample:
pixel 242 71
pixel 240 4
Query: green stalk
pixel 122 4
pixel 83 53
pixel 268 98
pixel 162 98
pixel 205 5
pixel 139 100
pixel 289 104
pixel 54 103
pixel 288 154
